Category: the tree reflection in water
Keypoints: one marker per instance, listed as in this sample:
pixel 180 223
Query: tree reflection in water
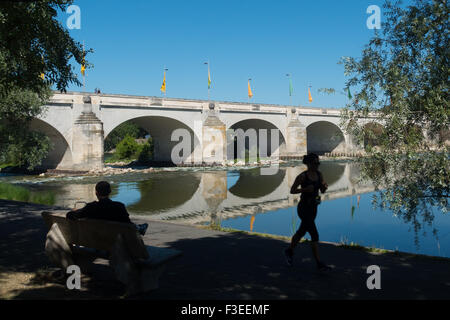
pixel 414 188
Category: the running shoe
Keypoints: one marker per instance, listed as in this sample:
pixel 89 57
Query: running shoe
pixel 323 267
pixel 289 255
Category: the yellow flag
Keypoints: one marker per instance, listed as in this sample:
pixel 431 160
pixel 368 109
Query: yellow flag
pixel 83 63
pixel 42 73
pixel 309 96
pixel 252 221
pixel 163 86
pixel 209 78
pixel 250 94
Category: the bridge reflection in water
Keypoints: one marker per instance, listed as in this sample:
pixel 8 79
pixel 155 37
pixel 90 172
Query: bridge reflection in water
pixel 208 197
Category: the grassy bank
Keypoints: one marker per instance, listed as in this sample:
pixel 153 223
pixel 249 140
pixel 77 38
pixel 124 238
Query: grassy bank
pixel 351 246
pixel 12 192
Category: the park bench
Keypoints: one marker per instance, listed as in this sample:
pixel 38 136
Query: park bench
pixel 80 242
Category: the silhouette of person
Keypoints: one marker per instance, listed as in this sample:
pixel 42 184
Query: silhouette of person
pixel 310 182
pixel 104 208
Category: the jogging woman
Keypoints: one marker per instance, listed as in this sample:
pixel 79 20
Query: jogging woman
pixel 310 182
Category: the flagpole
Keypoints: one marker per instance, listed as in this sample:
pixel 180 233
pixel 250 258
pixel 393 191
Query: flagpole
pixel 207 63
pixel 84 61
pixel 209 86
pixel 165 84
pixel 290 95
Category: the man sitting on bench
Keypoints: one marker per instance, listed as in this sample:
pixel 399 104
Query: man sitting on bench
pixel 105 208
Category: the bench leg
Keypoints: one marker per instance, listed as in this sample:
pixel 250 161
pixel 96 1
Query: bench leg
pixel 149 278
pixel 137 278
pixel 125 269
pixel 57 248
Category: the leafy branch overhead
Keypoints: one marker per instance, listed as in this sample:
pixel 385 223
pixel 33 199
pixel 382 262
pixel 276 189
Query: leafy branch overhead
pixel 402 78
pixel 32 43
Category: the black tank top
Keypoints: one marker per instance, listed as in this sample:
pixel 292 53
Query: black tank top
pixel 316 184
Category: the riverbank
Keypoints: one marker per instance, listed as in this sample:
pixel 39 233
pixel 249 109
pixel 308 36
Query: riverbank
pixel 216 265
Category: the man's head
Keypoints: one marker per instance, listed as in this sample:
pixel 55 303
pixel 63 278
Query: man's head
pixel 102 189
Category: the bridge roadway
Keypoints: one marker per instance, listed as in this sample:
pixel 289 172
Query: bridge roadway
pixel 77 124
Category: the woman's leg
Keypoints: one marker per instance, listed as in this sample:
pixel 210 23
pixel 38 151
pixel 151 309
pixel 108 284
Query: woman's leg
pixel 301 230
pixel 315 245
pixel 298 235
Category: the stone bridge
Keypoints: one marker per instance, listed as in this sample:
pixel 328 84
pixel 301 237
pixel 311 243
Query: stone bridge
pixel 77 124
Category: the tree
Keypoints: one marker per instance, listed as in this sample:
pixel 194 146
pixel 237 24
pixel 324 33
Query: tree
pixel 127 148
pixel 146 152
pixel 32 43
pixel 121 131
pixel 403 77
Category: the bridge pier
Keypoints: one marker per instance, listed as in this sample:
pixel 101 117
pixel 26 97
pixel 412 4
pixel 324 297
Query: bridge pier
pixel 87 140
pixel 214 139
pixel 295 138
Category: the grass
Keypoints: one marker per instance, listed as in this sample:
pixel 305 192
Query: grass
pixel 12 192
pixel 4 165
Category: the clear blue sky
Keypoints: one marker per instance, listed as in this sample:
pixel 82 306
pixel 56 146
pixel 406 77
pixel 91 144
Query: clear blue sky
pixel 263 40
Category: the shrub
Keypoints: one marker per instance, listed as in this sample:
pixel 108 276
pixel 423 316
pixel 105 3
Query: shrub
pixel 127 148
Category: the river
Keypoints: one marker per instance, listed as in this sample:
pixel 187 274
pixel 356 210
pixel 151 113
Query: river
pixel 245 199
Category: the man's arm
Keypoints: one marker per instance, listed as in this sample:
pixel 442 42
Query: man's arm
pixel 124 216
pixel 78 214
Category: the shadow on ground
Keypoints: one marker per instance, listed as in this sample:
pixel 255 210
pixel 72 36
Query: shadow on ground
pixel 215 265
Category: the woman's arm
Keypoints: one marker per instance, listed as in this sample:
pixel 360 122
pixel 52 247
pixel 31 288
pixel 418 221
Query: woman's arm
pixel 323 184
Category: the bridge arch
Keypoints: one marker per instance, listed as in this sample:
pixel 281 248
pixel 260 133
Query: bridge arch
pixel 60 153
pixel 161 129
pixel 252 185
pixel 157 193
pixel 256 124
pixel 325 137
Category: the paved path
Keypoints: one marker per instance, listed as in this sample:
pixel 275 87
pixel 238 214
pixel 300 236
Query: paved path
pixel 221 265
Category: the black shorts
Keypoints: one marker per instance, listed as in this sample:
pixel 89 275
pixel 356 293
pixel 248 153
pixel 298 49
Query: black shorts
pixel 307 209
pixel 307 212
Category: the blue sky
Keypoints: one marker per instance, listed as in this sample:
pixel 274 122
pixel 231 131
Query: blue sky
pixel 262 40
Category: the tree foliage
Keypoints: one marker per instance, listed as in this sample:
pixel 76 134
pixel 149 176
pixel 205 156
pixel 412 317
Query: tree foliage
pixel 32 42
pixel 402 80
pixel 128 149
pixel 121 131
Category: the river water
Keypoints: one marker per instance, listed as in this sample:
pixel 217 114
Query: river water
pixel 245 199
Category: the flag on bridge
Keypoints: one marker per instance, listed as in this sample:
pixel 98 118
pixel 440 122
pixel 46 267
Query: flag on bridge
pixel 250 94
pixel 291 89
pixel 209 78
pixel 349 94
pixel 83 63
pixel 309 96
pixel 163 86
pixel 42 73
